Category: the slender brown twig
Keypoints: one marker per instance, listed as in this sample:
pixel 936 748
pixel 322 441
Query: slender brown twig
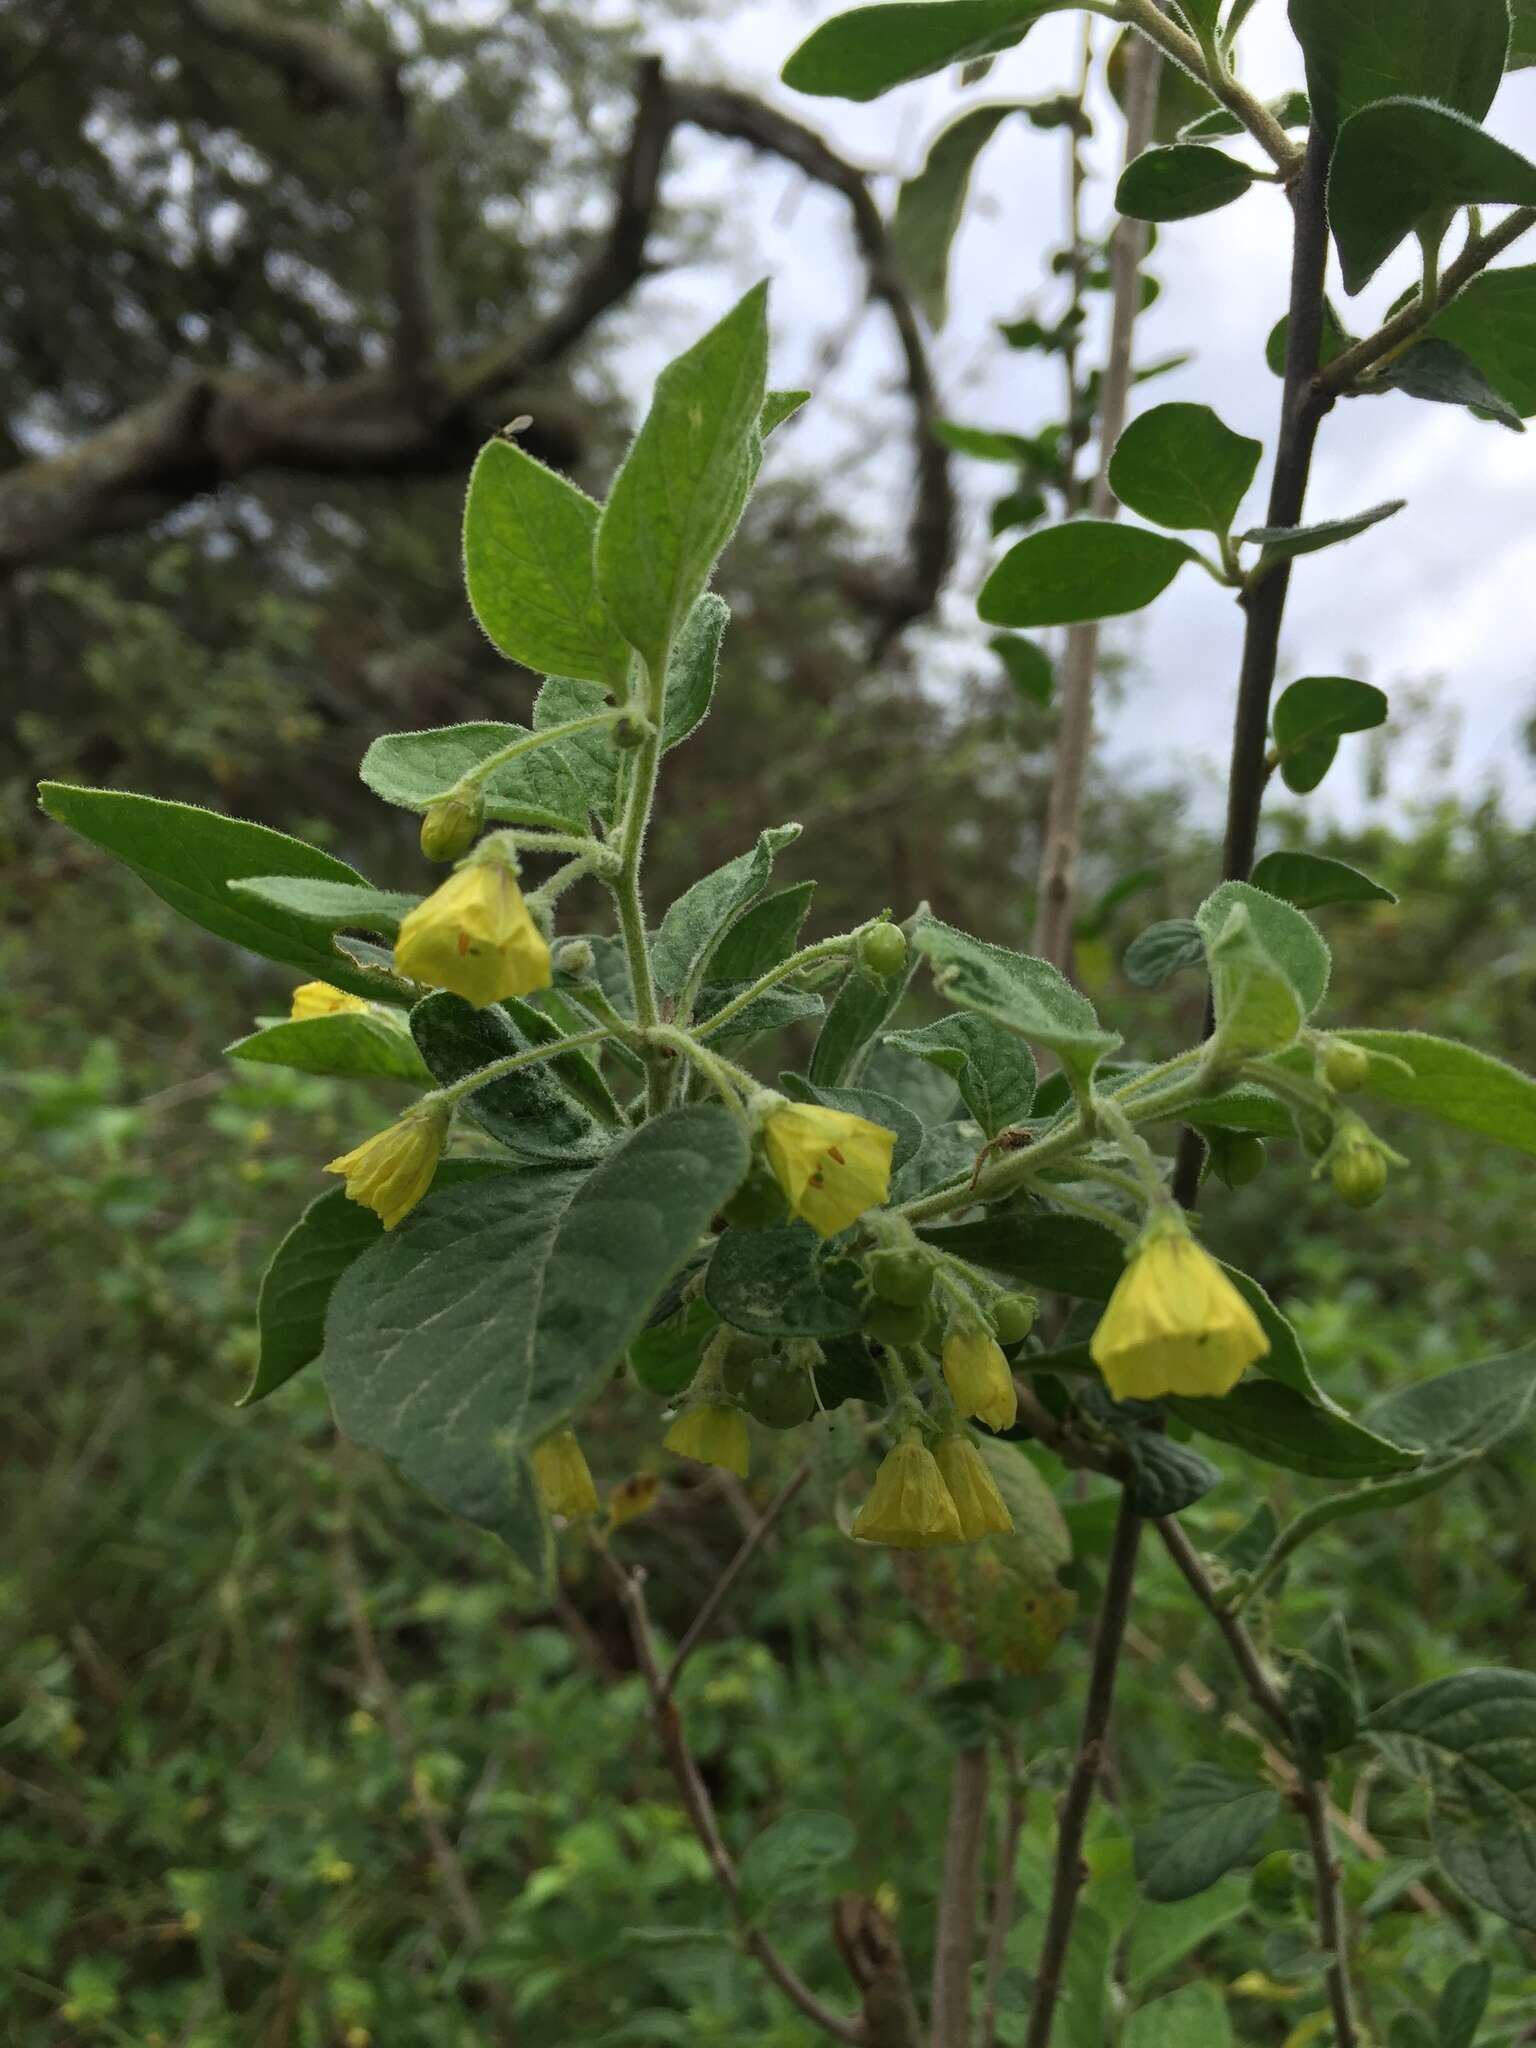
pixel 718 1592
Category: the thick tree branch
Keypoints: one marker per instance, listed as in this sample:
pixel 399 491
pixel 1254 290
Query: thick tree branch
pixel 872 1956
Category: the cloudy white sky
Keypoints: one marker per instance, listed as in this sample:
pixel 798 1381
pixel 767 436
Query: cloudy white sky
pixel 1445 591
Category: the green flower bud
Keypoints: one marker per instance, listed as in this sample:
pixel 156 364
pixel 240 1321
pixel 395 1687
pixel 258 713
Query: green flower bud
pixel 451 827
pixel 883 950
pixel 631 731
pixel 904 1277
pixel 893 1322
pixel 1013 1317
pixel 758 1204
pixel 575 959
pixel 1359 1172
pixel 1346 1067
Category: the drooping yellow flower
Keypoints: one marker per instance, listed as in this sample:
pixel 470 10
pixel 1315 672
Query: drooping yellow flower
pixel 981 1508
pixel 978 1377
pixel 475 935
pixel 831 1166
pixel 909 1506
pixel 564 1477
pixel 319 999
pixel 714 1434
pixel 1175 1324
pixel 391 1171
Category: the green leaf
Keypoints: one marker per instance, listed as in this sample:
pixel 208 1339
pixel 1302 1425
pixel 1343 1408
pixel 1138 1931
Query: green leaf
pixel 1084 569
pixel 1162 951
pixel 1194 2017
pixel 987 444
pixel 1443 374
pixel 1374 49
pixel 692 669
pixel 297 1285
pixel 1024 995
pixel 1473 1408
pixel 1181 466
pixel 1494 322
pixel 929 206
pixel 496 1311
pixel 779 406
pixel 676 501
pixel 1473 1737
pixel 591 756
pixel 330 906
pixel 762 937
pixel 792 1856
pixel 347 1043
pixel 1310 880
pixel 1462 2004
pixel 1335 339
pixel 1522 42
pixel 1166 1477
pixel 1040 1247
pixel 869 1103
pixel 1456 1083
pixel 1268 967
pixel 1178 182
pixel 1284 543
pixel 528 540
pixel 1162 1936
pixel 528 1110
pixel 1209 1822
pixel 1401 159
pixel 1273 1421
pixel 1030 668
pixel 665 1356
pixel 777 1283
pixel 861 54
pixel 864 1003
pixel 1309 717
pixel 697 922
pixel 994 1068
pixel 189 856
pixel 1291 109
pixel 1181 99
pixel 774 1010
pixel 545 787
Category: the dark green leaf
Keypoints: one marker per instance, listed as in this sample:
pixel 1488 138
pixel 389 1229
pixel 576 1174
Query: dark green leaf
pixel 1494 322
pixel 1401 159
pixel 1472 1408
pixel 776 1283
pixel 1274 1422
pixel 1180 97
pixel 1443 374
pixel 189 856
pixel 1085 569
pixel 1042 1248
pixel 859 55
pixel 1374 49
pixel 1181 466
pixel 1462 2004
pixel 763 937
pixel 1456 1083
pixel 1178 182
pixel 1193 2017
pixel 929 206
pixel 1309 717
pixel 676 501
pixel 1162 951
pixel 346 1043
pixel 1335 339
pixel 792 1856
pixel 496 1311
pixel 1209 1822
pixel 416 769
pixel 329 906
pixel 774 1010
pixel 665 1356
pixel 1310 880
pixel 528 537
pixel 994 1068
pixel 1522 42
pixel 528 1111
pixel 1283 543
pixel 863 1005
pixel 692 668
pixel 1166 1477
pixel 1030 668
pixel 1473 1737
pixel 1024 995
pixel 698 921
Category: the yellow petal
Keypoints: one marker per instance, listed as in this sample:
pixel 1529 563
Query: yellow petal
pixel 564 1477
pixel 909 1506
pixel 1175 1324
pixel 981 1508
pixel 475 936
pixel 391 1171
pixel 714 1434
pixel 831 1165
pixel 978 1376
pixel 319 999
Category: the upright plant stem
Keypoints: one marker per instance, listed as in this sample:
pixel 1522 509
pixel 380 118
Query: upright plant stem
pixel 1058 863
pixel 646 762
pixel 1073 1820
pixel 959 1912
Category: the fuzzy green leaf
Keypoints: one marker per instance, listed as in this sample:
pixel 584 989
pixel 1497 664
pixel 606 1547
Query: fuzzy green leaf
pixel 1494 322
pixel 1182 466
pixel 1084 569
pixel 1284 543
pixel 994 1068
pixel 1162 951
pixel 1369 50
pixel 1209 1822
pixel 1178 182
pixel 861 54
pixel 1268 967
pixel 528 1111
pixel 347 1043
pixel 929 206
pixel 698 921
pixel 779 1283
pixel 545 787
pixel 1030 668
pixel 1309 717
pixel 1457 1083
pixel 1274 1422
pixel 1022 994
pixel 692 669
pixel 1193 2017
pixel 762 937
pixel 1307 881
pixel 1439 372
pixel 329 906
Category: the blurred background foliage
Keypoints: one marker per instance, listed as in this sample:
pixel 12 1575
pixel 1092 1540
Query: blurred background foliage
pixel 219 1801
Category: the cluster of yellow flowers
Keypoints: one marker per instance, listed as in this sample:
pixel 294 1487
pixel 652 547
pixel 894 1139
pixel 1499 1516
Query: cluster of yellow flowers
pixel 922 1499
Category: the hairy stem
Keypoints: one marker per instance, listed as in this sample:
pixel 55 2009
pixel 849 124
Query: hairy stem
pixel 1261 124
pixel 483 1076
pixel 1069 1870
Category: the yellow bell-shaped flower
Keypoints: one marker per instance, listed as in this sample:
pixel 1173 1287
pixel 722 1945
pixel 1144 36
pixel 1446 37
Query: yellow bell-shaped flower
pixel 714 1434
pixel 319 999
pixel 981 1508
pixel 475 935
pixel 391 1171
pixel 977 1375
pixel 564 1477
pixel 909 1506
pixel 831 1166
pixel 1175 1324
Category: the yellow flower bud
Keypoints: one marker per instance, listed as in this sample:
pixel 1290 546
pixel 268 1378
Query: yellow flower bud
pixel 319 999
pixel 564 1477
pixel 981 1508
pixel 831 1166
pixel 632 1497
pixel 391 1171
pixel 909 1506
pixel 1175 1324
pixel 713 1434
pixel 475 935
pixel 978 1377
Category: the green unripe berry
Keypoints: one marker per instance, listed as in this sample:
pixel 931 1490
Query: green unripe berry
pixel 1238 1157
pixel 631 731
pixel 1346 1067
pixel 903 1277
pixel 758 1204
pixel 893 1322
pixel 1359 1173
pixel 779 1395
pixel 883 950
pixel 451 827
pixel 1013 1317
pixel 741 1358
